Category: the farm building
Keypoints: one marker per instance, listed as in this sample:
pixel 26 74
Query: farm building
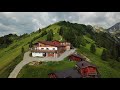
pixel 75 57
pixel 71 73
pixel 87 70
pixel 49 48
pixel 83 69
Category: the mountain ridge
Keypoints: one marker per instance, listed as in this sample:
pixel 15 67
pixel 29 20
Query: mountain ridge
pixel 114 28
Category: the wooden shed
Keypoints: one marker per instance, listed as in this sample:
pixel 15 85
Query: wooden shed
pixel 70 73
pixel 75 57
pixel 87 69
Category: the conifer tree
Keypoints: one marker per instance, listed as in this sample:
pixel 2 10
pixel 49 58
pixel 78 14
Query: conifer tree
pixel 92 48
pixel 104 55
pixel 39 30
pixel 50 35
pixel 22 50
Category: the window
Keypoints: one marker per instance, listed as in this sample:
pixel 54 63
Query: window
pixel 47 48
pixel 42 48
pixel 53 48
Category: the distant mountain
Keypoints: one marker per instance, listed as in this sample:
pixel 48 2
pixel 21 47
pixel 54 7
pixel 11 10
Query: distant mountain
pixel 98 29
pixel 115 30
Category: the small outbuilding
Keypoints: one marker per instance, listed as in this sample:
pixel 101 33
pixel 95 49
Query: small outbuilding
pixel 71 73
pixel 75 57
pixel 87 69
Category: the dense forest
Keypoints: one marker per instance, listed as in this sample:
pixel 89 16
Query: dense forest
pixel 74 34
pixel 7 40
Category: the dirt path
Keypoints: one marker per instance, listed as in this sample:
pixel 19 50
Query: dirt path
pixel 27 59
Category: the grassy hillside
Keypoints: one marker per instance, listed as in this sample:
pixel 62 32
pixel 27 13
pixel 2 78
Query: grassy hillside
pixel 42 70
pixel 7 55
pixel 105 68
pixel 11 56
pixel 4 73
pixel 11 52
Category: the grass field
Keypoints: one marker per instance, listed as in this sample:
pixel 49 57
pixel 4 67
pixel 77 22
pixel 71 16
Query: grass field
pixel 9 54
pixel 107 69
pixel 42 71
pixel 88 39
pixel 4 73
pixel 98 50
pixel 104 67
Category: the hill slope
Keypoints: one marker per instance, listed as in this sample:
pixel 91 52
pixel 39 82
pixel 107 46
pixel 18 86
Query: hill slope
pixel 81 37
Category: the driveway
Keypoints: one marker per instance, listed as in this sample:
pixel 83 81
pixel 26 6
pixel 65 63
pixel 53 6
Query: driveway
pixel 27 59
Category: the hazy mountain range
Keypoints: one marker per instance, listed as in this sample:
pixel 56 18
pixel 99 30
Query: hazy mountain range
pixel 115 30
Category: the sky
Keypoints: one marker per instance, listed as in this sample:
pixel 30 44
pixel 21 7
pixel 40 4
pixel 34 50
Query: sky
pixel 27 22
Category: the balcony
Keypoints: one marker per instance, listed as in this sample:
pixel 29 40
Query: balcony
pixel 36 50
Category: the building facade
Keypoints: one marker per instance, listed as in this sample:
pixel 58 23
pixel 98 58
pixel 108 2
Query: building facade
pixel 49 48
pixel 75 57
pixel 87 70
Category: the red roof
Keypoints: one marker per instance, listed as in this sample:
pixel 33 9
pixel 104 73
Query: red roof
pixel 83 64
pixel 52 43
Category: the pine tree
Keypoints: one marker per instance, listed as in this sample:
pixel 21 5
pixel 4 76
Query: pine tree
pixel 61 31
pixel 43 33
pixel 39 30
pixel 92 48
pixel 104 55
pixel 118 59
pixel 83 42
pixel 115 52
pixel 50 35
pixel 30 45
pixel 77 42
pixel 22 50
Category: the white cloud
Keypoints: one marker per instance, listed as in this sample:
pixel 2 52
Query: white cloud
pixel 26 22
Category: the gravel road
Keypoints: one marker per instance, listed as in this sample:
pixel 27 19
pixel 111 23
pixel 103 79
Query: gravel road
pixel 27 59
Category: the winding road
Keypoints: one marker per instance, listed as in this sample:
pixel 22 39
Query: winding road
pixel 27 59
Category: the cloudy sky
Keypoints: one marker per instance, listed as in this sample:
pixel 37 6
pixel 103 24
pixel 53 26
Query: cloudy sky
pixel 26 22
